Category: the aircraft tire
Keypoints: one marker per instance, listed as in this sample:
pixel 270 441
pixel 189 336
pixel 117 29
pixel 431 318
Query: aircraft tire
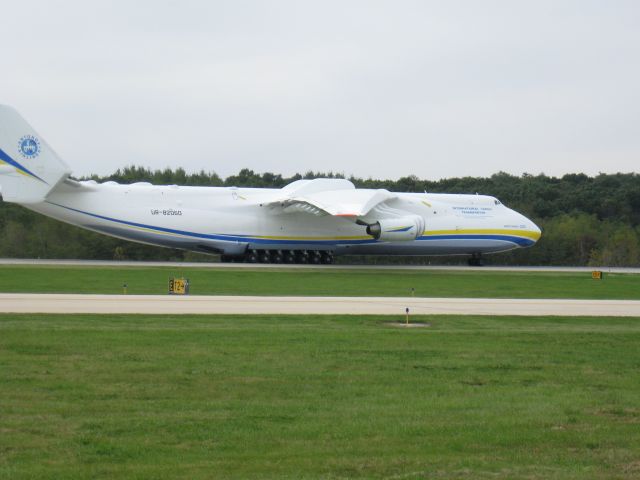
pixel 315 257
pixel 327 258
pixel 476 260
pixel 251 256
pixel 302 256
pixel 265 256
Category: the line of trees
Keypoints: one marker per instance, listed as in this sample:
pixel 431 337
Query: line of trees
pixel 585 220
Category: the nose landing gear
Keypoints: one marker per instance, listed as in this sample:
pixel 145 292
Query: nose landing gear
pixel 476 260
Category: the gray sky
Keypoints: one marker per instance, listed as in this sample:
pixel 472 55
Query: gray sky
pixel 370 88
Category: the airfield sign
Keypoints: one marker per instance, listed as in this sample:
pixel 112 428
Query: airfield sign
pixel 178 286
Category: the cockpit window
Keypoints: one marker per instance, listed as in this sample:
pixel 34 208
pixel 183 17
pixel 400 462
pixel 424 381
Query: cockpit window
pixel 496 201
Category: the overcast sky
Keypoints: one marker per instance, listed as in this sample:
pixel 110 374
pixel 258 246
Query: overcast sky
pixel 371 88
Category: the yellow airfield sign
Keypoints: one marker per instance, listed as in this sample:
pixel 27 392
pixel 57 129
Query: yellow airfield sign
pixel 178 286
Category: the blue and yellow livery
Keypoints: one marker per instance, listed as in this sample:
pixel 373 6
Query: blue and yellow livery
pixel 306 221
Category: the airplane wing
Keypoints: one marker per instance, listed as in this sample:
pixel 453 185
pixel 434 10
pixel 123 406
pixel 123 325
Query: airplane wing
pixel 329 196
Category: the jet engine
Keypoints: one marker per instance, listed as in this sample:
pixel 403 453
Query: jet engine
pixel 404 229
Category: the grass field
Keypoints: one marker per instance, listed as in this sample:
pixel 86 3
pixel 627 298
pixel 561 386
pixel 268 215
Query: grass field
pixel 318 397
pixel 330 282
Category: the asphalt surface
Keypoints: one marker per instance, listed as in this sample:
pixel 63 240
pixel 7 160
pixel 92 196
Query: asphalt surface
pixel 174 305
pixel 116 264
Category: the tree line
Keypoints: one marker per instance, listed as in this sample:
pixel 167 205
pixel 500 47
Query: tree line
pixel 585 220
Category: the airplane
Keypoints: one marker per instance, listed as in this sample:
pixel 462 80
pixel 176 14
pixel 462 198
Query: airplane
pixel 307 221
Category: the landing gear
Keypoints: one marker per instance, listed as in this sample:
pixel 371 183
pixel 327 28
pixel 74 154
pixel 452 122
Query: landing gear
pixel 476 260
pixel 302 256
pixel 265 256
pixel 289 256
pixel 277 256
pixel 315 257
pixel 251 256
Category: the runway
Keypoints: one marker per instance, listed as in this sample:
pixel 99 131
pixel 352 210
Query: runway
pixel 176 305
pixel 271 266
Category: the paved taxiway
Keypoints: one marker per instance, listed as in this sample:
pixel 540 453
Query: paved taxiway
pixel 157 304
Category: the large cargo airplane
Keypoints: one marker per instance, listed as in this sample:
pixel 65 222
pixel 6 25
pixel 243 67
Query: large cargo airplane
pixel 306 221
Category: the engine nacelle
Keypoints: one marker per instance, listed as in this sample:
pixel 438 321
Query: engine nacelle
pixel 404 229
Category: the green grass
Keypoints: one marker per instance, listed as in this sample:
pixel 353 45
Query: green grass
pixel 333 282
pixel 318 397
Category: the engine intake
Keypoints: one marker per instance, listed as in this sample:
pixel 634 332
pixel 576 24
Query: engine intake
pixel 403 229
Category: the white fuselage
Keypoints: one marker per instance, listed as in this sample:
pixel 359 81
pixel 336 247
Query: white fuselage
pixel 306 220
pixel 233 220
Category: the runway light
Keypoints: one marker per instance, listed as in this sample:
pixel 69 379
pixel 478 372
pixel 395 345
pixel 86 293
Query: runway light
pixel 124 288
pixel 406 311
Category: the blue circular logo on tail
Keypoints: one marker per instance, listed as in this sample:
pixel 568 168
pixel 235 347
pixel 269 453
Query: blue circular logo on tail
pixel 29 146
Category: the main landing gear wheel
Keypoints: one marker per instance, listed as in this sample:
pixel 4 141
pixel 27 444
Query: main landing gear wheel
pixel 327 258
pixel 315 257
pixel 251 256
pixel 265 256
pixel 302 256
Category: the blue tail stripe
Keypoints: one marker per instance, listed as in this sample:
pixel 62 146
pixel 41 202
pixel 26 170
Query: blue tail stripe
pixel 7 159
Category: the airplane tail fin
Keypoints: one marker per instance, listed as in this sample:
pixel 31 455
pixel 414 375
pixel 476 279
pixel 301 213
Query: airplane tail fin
pixel 29 168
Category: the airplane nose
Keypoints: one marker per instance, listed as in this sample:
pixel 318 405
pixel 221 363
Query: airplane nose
pixel 535 230
pixel 530 230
